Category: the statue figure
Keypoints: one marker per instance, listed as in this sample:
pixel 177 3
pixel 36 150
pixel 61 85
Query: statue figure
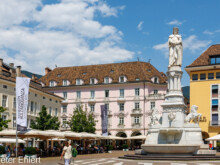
pixel 176 48
pixel 193 115
pixel 155 116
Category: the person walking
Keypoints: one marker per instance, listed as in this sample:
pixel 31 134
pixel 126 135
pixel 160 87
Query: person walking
pixel 8 152
pixel 67 153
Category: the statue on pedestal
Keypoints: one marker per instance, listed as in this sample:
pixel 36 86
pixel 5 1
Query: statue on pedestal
pixel 193 115
pixel 175 48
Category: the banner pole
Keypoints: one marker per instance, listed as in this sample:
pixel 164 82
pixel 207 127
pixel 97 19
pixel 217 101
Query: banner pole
pixel 16 139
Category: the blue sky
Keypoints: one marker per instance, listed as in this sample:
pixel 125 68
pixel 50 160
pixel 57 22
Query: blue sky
pixel 36 34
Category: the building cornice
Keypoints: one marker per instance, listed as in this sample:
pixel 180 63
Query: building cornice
pixel 201 68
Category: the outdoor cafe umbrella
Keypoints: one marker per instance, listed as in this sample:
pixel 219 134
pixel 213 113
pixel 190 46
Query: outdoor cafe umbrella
pixel 112 138
pixel 72 135
pixel 137 137
pixel 10 140
pixel 85 135
pixel 214 138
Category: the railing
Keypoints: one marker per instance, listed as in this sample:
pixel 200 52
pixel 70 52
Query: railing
pixel 136 125
pixel 121 125
pixel 92 100
pixel 121 99
pixel 214 123
pixel 155 96
pixel 136 112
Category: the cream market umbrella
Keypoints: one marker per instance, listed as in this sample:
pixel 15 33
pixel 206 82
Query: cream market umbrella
pixel 72 135
pixel 28 133
pixel 139 137
pixel 10 140
pixel 112 138
pixel 85 135
pixel 214 138
pixel 48 134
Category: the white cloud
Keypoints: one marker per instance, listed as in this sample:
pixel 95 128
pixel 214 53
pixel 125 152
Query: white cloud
pixel 65 33
pixel 140 25
pixel 194 44
pixel 208 32
pixel 190 43
pixel 175 22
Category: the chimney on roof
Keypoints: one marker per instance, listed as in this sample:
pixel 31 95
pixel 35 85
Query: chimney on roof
pixel 33 77
pixel 1 66
pixel 47 70
pixel 11 65
pixel 18 71
pixel 11 70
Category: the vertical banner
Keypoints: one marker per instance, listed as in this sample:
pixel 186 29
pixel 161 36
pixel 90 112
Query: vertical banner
pixel 104 117
pixel 22 91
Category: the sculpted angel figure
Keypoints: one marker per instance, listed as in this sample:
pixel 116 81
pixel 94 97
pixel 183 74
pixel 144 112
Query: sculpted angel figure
pixel 155 116
pixel 175 48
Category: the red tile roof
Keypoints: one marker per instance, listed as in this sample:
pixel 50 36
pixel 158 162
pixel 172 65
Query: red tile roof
pixel 203 59
pixel 131 70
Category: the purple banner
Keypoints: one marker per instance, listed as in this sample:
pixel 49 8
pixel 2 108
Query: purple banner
pixel 104 117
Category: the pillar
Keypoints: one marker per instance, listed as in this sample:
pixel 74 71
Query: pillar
pixel 179 83
pixel 175 83
pixel 171 83
pixel 129 143
pixel 114 143
pixel 47 143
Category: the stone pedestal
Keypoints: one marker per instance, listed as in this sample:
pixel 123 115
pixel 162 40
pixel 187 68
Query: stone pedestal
pixel 173 132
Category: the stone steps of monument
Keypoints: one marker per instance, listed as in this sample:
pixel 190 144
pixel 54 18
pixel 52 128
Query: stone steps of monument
pixel 182 158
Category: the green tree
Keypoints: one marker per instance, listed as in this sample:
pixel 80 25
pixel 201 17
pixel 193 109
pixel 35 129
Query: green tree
pixel 82 121
pixel 3 123
pixel 45 121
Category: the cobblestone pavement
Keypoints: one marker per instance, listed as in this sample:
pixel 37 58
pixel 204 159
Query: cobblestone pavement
pixel 112 159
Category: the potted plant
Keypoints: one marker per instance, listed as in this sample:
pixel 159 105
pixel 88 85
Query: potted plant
pixel 109 148
pixel 2 152
pixel 30 152
pixel 125 147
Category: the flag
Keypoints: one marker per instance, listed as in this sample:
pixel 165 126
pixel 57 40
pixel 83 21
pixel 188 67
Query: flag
pixel 22 91
pixel 104 117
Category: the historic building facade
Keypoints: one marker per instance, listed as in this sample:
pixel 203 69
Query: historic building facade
pixel 37 96
pixel 130 90
pixel 204 75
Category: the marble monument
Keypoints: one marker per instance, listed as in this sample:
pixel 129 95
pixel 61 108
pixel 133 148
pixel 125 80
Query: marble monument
pixel 174 133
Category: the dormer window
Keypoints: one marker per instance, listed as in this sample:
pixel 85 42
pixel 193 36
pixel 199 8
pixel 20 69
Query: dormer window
pixel 92 80
pixel 78 81
pixel 155 80
pixel 52 83
pixel 65 82
pixel 215 59
pixel 121 79
pixel 106 80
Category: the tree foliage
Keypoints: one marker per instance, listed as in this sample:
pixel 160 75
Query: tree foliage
pixel 3 123
pixel 45 121
pixel 82 121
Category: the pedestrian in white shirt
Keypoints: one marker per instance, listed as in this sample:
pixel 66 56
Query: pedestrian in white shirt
pixel 67 153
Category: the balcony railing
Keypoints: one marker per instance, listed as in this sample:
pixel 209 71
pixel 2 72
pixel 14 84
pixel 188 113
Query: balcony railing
pixel 214 123
pixel 92 100
pixel 136 125
pixel 155 96
pixel 121 125
pixel 136 112
pixel 121 99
